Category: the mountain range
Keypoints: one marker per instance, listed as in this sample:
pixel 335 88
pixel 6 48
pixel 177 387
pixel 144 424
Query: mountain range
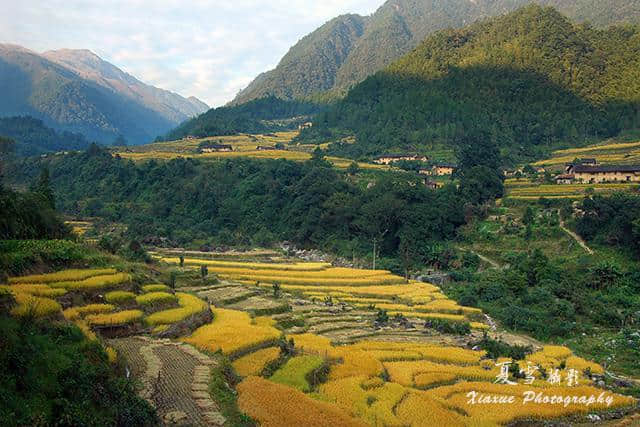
pixel 530 81
pixel 77 91
pixel 347 49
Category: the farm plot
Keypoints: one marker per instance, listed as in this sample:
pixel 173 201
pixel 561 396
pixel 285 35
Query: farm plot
pixel 558 191
pixel 362 289
pixel 242 145
pixel 374 377
pixel 619 153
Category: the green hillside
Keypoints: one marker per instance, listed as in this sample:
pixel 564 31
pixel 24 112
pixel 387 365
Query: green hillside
pixel 268 114
pixel 349 48
pixel 531 80
pixel 32 137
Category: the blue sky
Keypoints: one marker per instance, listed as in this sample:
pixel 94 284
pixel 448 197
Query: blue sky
pixel 207 48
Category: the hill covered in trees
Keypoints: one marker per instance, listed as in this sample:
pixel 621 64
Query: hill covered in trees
pixel 267 114
pixel 347 49
pixel 531 80
pixel 32 137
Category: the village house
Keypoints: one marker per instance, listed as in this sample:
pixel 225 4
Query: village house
pixel 387 159
pixel 306 125
pixel 431 185
pixel 443 169
pixel 602 174
pixel 564 179
pixel 425 171
pixel 215 148
pixel 580 162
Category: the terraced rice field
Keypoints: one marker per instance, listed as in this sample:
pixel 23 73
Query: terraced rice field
pixel 376 376
pixel 243 146
pixel 613 153
pixel 320 360
pixel 526 190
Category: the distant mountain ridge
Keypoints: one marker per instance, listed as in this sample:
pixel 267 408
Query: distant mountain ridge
pixel 347 49
pixel 76 91
pixel 90 66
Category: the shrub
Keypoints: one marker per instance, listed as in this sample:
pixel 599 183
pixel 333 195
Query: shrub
pixel 448 326
pixel 52 373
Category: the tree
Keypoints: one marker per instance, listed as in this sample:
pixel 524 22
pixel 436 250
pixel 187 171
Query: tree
pixel 353 168
pixel 42 186
pixel 481 184
pixel 7 145
pixel 529 217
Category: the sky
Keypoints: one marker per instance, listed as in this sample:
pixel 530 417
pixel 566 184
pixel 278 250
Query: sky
pixel 205 48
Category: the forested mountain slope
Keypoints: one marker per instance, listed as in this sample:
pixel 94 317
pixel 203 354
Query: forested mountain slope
pixel 349 48
pixel 32 137
pixel 262 115
pixel 531 80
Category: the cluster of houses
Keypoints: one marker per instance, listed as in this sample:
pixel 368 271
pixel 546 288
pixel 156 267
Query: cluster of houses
pixel 211 147
pixel 588 171
pixel 388 159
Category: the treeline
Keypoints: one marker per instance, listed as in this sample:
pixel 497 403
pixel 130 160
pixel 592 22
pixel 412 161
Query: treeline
pixel 613 221
pixel 552 298
pixel 31 214
pixel 33 137
pixel 252 202
pixel 268 114
pixel 531 80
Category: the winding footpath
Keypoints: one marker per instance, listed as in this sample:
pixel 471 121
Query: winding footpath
pixel 576 237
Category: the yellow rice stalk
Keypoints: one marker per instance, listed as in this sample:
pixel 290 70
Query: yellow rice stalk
pixel 452 317
pixel 94 282
pixel 291 280
pixel 301 266
pixel 430 379
pixel 155 298
pixel 355 363
pixel 38 290
pixel 232 332
pixel 117 297
pixel 254 363
pixel 421 411
pixel 112 354
pixel 86 330
pixel 581 365
pixel 75 313
pixel 189 305
pixel 62 276
pixel 29 305
pixel 155 288
pixel 114 319
pixel 373 405
pixel 404 372
pixel 276 405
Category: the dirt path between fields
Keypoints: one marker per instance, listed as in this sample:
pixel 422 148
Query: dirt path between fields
pixel 174 378
pixel 576 237
pixel 494 264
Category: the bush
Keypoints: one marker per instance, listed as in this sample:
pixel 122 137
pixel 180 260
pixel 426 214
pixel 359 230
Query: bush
pixel 448 326
pixel 51 375
pixel 496 349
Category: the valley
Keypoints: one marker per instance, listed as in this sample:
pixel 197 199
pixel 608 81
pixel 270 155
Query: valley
pixel 425 216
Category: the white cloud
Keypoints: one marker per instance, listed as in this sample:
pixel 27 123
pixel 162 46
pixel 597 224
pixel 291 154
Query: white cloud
pixel 207 48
